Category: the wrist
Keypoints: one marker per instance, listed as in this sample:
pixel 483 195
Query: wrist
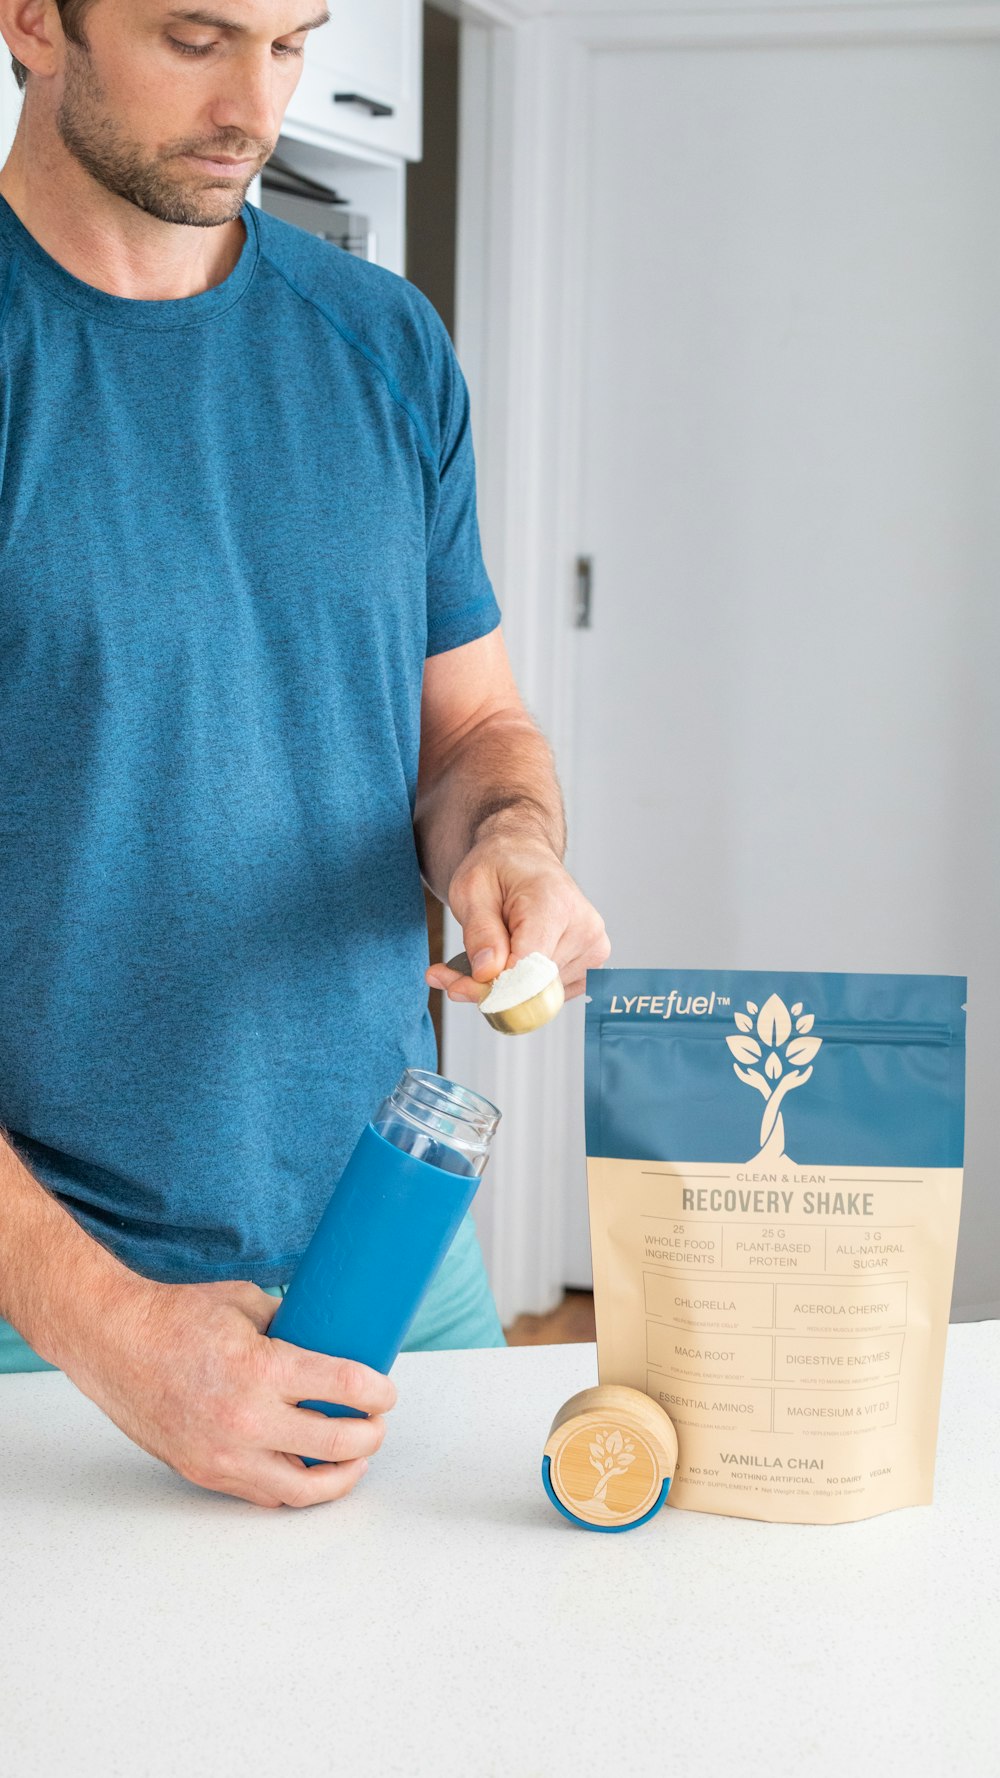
pixel 101 1320
pixel 520 822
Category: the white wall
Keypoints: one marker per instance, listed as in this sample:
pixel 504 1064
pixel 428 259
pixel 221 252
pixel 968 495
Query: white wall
pixel 788 733
pixel 10 103
pixel 767 540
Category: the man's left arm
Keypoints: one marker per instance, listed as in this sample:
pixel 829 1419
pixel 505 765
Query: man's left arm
pixel 490 828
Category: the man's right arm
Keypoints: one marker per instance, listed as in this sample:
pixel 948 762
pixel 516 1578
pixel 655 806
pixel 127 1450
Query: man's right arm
pixel 54 1278
pixel 184 1369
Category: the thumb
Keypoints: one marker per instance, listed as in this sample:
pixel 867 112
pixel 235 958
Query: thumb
pixel 260 1307
pixel 487 944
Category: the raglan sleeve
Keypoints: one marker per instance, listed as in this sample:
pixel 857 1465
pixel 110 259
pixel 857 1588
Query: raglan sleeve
pixel 461 603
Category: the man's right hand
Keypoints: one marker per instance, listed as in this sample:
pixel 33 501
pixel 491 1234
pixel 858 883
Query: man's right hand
pixel 186 1370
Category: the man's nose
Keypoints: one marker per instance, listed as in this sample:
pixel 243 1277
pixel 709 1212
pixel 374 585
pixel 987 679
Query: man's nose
pixel 252 100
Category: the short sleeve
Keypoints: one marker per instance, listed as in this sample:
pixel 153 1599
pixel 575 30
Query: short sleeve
pixel 461 604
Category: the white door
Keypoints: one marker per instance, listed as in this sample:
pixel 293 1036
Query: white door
pixel 787 745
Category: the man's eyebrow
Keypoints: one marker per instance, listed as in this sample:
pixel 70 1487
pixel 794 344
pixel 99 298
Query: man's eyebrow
pixel 196 16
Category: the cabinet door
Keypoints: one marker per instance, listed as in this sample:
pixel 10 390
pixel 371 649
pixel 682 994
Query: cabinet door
pixel 361 78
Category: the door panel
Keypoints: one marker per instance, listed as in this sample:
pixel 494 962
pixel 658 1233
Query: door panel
pixel 786 737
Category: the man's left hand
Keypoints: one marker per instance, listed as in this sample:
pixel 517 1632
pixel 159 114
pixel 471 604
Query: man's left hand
pixel 513 897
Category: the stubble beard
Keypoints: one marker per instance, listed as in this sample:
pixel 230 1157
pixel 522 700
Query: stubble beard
pixel 93 137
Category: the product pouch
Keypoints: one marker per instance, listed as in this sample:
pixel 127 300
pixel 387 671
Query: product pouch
pixel 775 1176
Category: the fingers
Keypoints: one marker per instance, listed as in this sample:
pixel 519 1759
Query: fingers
pixel 264 1435
pixel 539 928
pixel 329 1481
pixel 304 1432
pixel 594 954
pixel 511 909
pixel 576 944
pixel 457 987
pixel 573 965
pixel 574 989
pixel 486 942
pixel 311 1376
pixel 573 969
pixel 476 899
pixel 311 1487
pixel 280 1480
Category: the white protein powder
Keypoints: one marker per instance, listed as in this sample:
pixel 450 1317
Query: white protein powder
pixel 520 983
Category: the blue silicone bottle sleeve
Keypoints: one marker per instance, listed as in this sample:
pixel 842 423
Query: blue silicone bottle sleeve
pixel 381 1239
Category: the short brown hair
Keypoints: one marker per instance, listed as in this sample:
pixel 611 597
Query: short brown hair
pixel 71 12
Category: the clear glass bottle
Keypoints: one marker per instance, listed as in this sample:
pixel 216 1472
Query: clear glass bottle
pixel 439 1122
pixel 393 1215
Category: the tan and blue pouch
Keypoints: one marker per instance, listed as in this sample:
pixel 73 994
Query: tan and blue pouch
pixel 775 1177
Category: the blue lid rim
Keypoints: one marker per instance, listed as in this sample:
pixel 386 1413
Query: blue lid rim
pixel 582 1524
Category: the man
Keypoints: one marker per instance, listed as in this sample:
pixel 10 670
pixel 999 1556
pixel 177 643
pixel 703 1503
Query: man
pixel 251 684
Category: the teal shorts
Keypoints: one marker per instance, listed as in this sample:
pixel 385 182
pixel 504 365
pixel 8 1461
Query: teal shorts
pixel 458 1310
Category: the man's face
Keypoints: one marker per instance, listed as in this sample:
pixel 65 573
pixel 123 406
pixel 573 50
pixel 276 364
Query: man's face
pixel 176 109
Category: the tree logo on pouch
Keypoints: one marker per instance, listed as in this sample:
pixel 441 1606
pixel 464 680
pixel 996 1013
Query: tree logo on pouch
pixel 775 1060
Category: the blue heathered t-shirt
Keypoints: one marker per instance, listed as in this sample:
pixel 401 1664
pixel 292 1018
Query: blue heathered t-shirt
pixel 232 527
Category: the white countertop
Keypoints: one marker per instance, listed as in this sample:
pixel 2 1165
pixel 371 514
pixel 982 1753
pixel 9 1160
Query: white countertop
pixel 445 1621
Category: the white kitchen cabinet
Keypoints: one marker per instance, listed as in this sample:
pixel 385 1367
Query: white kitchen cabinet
pixel 361 79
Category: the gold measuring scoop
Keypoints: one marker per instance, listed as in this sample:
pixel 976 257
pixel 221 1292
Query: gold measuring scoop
pixel 526 1015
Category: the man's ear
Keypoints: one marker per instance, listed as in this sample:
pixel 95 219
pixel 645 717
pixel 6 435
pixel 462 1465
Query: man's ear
pixel 32 31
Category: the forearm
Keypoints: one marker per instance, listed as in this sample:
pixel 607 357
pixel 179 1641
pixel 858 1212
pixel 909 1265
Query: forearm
pixel 496 779
pixel 55 1280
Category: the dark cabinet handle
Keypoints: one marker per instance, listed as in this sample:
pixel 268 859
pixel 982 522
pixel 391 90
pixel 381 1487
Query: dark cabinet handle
pixel 584 616
pixel 375 106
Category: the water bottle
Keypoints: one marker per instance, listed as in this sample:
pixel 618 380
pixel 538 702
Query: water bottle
pixel 393 1216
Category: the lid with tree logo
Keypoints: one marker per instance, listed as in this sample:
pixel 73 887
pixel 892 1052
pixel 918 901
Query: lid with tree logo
pixel 609 1458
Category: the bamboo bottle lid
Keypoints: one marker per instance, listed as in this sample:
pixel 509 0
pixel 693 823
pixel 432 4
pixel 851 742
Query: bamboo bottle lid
pixel 609 1458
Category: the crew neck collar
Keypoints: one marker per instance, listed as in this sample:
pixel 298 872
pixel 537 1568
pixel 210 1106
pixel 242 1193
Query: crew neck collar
pixel 126 311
